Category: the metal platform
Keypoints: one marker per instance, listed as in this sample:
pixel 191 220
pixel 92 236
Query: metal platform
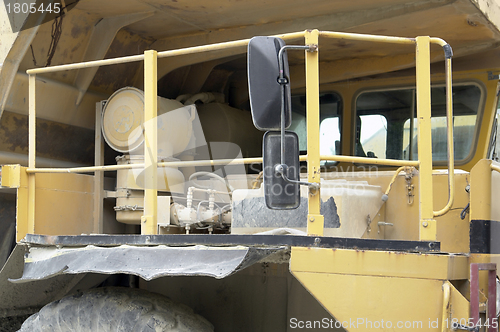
pixel 233 240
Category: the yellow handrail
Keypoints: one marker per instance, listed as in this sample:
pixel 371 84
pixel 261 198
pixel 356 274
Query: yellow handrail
pixel 451 156
pixel 495 168
pixel 312 88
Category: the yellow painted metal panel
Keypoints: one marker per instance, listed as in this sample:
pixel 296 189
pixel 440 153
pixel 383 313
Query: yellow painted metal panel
pixel 480 193
pixel 315 221
pixel 65 182
pixel 379 263
pixel 423 75
pixel 22 206
pixel 372 303
pixel 31 152
pixel 64 204
pixel 149 220
pixel 11 176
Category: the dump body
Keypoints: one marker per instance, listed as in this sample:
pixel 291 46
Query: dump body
pixel 98 191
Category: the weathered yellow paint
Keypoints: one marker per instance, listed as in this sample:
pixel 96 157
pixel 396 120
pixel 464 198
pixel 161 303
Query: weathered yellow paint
pixel 423 76
pixel 149 220
pixel 380 263
pixel 11 176
pixel 15 176
pixel 31 152
pixel 370 303
pixel 359 287
pixel 315 221
pixel 480 192
pixel 64 204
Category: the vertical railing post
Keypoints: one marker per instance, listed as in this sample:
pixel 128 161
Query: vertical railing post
pixel 98 176
pixel 315 222
pixel 427 224
pixel 31 152
pixel 149 220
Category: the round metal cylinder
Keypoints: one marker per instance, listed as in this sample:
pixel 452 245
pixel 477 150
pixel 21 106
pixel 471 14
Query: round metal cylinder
pixel 123 123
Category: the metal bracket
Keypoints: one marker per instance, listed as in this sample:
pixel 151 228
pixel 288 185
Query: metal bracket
pixel 492 77
pixel 129 208
pixel 409 187
pixel 282 169
pixel 492 293
pixel 456 326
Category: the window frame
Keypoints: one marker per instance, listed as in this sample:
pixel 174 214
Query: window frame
pixel 340 117
pixel 440 84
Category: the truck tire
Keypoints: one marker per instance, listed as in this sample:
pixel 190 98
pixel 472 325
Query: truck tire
pixel 116 309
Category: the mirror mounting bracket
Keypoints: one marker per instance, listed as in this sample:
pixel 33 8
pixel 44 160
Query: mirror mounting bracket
pixel 282 169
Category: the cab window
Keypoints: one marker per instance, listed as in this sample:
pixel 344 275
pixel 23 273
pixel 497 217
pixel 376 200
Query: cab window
pixel 386 123
pixel 330 120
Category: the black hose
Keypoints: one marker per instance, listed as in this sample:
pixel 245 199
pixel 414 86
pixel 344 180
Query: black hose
pixel 464 212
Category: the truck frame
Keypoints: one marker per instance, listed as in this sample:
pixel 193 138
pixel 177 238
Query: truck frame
pixel 412 262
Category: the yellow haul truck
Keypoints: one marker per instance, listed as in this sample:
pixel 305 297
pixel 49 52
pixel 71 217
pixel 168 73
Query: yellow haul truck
pixel 223 166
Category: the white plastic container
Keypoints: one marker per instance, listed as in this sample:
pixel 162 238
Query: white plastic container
pixel 353 201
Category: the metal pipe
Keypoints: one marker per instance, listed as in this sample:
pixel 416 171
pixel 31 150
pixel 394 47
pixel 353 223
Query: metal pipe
pixel 451 156
pixel 439 41
pixel 164 54
pixel 283 81
pixel 107 168
pixel 399 170
pixel 371 161
pixel 229 162
pixel 31 152
pixel 88 64
pixel 495 168
pixel 369 38
pixel 446 306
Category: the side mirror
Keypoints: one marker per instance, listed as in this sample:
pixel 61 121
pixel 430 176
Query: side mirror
pixel 264 89
pixel 279 193
pixel 270 102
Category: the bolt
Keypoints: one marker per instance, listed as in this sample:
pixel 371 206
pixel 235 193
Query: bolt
pixel 425 224
pixel 311 219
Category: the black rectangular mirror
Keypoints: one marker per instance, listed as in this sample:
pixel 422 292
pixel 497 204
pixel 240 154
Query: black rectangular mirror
pixel 263 87
pixel 279 193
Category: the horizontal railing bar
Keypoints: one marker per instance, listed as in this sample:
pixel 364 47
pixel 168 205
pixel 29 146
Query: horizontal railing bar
pixel 369 38
pixel 371 161
pixel 229 162
pixel 164 54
